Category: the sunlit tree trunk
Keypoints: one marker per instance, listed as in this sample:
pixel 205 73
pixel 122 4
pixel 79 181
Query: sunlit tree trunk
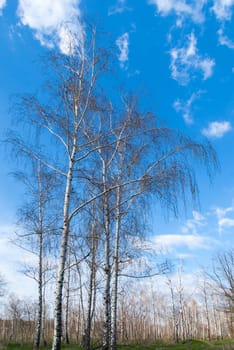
pixel 116 272
pixel 107 265
pixel 205 298
pixel 38 332
pixel 174 315
pixel 67 308
pixel 63 251
pixel 40 233
pixel 92 285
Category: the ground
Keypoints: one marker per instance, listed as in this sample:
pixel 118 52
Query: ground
pixel 188 345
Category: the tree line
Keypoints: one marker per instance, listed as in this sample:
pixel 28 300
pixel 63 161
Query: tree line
pixel 146 313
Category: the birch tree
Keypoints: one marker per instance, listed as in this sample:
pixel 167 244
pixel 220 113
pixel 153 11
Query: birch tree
pixel 36 223
pixel 175 314
pixel 58 120
pixel 164 175
pixel 2 285
pixel 138 158
pixel 205 295
pixel 93 242
pixel 78 130
pixel 223 278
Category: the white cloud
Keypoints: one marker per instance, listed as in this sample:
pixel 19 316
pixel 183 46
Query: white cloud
pixel 206 65
pixel 166 6
pixel 186 106
pixel 192 225
pixel 224 219
pixel 180 8
pixel 217 129
pixel 176 240
pixel 226 222
pixel 224 40
pixel 185 61
pixel 223 9
pixel 2 5
pixel 198 216
pixel 183 256
pixel 221 212
pixel 53 22
pixel 11 259
pixel 120 7
pixel 123 45
pixel 160 285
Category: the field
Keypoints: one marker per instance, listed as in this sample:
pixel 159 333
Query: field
pixel 188 345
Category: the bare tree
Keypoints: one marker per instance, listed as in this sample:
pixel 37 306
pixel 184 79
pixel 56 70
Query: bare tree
pixel 175 313
pixel 36 226
pixel 21 314
pixel 2 285
pixel 205 295
pixel 138 158
pixel 223 277
pixel 77 130
pixel 93 241
pixel 60 124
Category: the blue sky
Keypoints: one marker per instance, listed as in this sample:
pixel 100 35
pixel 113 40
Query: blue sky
pixel 179 56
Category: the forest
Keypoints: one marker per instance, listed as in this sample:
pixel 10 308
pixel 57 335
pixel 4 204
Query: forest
pixel 94 163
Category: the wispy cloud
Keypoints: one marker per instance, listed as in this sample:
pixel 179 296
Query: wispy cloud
pixel 123 45
pixel 190 237
pixel 224 40
pixel 11 259
pixel 217 129
pixel 2 5
pixel 186 107
pixel 180 8
pixel 223 9
pixel 225 217
pixel 186 61
pixel 53 23
pixel 191 241
pixel 166 6
pixel 192 225
pixel 119 7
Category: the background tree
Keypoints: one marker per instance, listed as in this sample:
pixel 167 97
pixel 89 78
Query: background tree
pixel 37 219
pixel 223 278
pixel 2 285
pixel 93 265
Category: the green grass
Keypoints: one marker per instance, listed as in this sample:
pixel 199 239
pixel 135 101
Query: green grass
pixel 18 346
pixel 187 345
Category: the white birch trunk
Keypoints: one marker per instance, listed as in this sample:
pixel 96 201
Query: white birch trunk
pixel 91 291
pixel 107 268
pixel 116 273
pixel 67 338
pixel 63 254
pixel 37 338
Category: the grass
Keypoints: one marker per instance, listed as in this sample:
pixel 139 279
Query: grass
pixel 187 345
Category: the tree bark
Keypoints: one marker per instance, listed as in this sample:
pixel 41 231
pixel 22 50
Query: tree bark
pixel 37 339
pixel 38 333
pixel 91 291
pixel 116 272
pixel 107 268
pixel 63 254
pixel 67 338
